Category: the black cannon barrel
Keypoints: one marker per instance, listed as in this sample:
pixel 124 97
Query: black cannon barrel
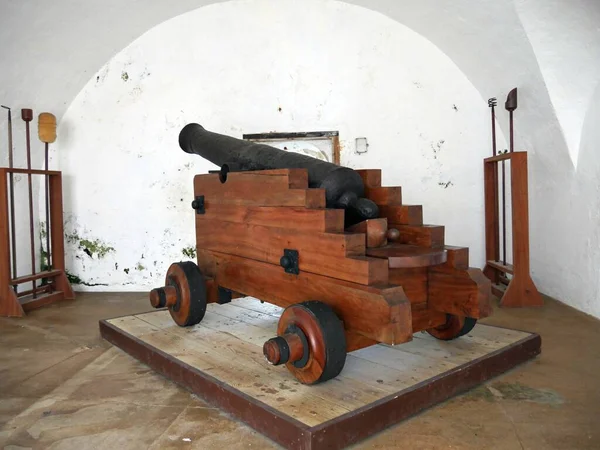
pixel 343 186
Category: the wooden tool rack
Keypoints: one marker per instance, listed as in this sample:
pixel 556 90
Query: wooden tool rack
pixel 12 301
pixel 511 283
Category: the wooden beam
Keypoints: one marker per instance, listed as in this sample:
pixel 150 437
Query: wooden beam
pixel 37 276
pixel 255 189
pixel 371 177
pixel 330 254
pixel 460 292
pixel 297 218
pixel 421 235
pixel 9 304
pixel 374 229
pixel 402 214
pixel 381 312
pixel 391 195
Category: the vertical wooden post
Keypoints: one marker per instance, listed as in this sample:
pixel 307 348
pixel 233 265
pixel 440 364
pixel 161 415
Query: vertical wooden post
pixel 492 222
pixel 58 236
pixel 9 304
pixel 521 290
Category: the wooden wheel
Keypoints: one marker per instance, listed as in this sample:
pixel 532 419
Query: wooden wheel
pixel 310 341
pixel 455 327
pixel 184 294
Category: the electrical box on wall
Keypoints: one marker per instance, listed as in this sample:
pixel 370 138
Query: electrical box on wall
pixel 361 145
pixel 323 145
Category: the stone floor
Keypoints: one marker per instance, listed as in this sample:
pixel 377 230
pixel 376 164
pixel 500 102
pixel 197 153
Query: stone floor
pixel 62 387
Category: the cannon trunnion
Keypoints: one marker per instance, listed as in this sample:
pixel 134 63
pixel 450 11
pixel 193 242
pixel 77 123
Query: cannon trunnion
pixel 272 235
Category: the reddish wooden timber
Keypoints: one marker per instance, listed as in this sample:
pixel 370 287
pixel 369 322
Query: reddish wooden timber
pixel 47 288
pixel 323 253
pixel 450 329
pixel 403 214
pixel 421 235
pixel 504 268
pixel 33 171
pixel 336 156
pixel 296 218
pixel 252 189
pixel 29 303
pixel 458 257
pixel 413 281
pixel 297 178
pixel 405 256
pixel 37 276
pixel 492 220
pixel 371 177
pixel 521 290
pixel 425 319
pixel 375 230
pixel 498 290
pixel 498 158
pixel 391 195
pixel 381 313
pixel 460 292
pixel 305 320
pixel 9 304
pixel 355 341
pixel 57 234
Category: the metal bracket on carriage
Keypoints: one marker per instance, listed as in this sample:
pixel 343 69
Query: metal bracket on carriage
pixel 198 204
pixel 289 261
pixel 224 295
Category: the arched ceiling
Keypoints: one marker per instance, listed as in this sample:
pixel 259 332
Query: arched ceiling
pixel 58 49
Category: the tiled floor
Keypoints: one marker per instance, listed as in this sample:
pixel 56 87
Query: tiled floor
pixel 62 387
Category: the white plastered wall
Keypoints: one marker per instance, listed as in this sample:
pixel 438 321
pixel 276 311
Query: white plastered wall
pixel 549 49
pixel 340 67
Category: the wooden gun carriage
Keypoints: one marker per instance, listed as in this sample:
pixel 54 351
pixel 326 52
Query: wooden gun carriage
pixel 345 283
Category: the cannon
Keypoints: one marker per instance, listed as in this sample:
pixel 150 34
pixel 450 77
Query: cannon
pixel 343 186
pixel 274 226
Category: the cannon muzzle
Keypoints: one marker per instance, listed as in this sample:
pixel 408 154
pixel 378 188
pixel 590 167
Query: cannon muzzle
pixel 343 186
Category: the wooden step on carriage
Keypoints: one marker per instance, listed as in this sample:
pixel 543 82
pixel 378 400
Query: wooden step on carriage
pixel 268 235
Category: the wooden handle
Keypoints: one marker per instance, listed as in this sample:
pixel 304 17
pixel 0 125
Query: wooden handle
pixel 27 114
pixel 47 127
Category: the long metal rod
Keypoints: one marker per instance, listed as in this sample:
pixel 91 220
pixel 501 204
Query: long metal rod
pixel 492 104
pixel 503 216
pixel 512 147
pixel 27 115
pixel 510 105
pixel 11 188
pixel 47 179
pixel 512 139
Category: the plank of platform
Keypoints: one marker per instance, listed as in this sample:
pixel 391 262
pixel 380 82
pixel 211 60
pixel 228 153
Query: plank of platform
pixel 221 360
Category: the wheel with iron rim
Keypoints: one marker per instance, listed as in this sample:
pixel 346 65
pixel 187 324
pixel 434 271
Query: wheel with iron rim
pixel 184 294
pixel 324 341
pixel 455 327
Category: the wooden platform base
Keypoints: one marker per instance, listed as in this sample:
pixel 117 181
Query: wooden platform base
pixel 221 360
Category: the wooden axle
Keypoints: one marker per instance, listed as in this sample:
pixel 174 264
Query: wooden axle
pixel 162 297
pixel 288 348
